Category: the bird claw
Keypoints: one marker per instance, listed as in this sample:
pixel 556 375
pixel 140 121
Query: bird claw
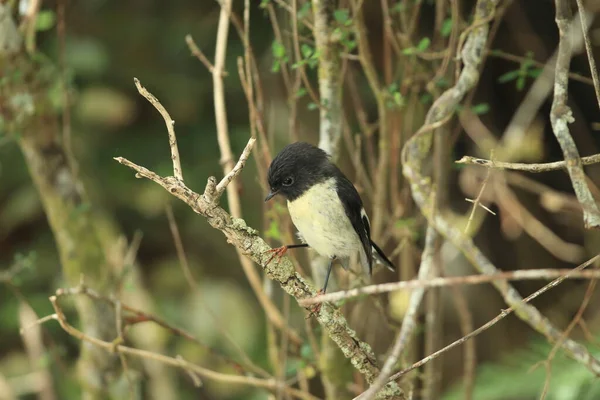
pixel 314 310
pixel 277 252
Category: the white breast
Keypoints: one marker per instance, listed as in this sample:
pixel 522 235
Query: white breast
pixel 322 223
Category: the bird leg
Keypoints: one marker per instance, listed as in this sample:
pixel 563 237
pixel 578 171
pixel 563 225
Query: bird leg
pixel 280 251
pixel 317 307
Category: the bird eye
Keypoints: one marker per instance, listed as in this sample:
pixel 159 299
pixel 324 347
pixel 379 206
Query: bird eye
pixel 288 181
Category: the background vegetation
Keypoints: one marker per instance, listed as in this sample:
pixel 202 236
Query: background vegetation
pixel 393 59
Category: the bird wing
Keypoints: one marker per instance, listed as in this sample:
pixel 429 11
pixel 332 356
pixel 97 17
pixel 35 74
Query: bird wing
pixel 358 218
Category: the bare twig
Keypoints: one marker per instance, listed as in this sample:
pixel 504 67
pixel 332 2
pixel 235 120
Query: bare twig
pixel 247 362
pixel 518 275
pixel 503 314
pixel 170 127
pixel 588 49
pixel 561 116
pixel 477 201
pixel 383 156
pixel 533 168
pixel 416 152
pixel 410 319
pixel 196 52
pixel 178 362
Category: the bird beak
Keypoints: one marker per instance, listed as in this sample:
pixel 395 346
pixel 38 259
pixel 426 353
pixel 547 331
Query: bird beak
pixel 270 195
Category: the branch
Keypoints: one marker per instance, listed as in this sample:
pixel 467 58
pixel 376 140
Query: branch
pixel 503 314
pixel 170 124
pixel 533 168
pixel 193 370
pixel 561 116
pixel 518 275
pixel 409 322
pixel 416 152
pixel 589 51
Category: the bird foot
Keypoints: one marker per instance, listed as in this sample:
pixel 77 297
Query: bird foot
pixel 314 310
pixel 277 252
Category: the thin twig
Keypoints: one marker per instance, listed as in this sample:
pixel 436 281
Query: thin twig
pixel 477 201
pixel 518 275
pixel 561 116
pixel 409 322
pixel 170 127
pixel 589 51
pixel 195 50
pixel 503 314
pixel 178 362
pixel 416 152
pixel 533 168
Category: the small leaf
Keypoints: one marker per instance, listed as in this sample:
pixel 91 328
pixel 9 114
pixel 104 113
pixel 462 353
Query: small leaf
pixel 278 50
pixel 273 231
pixel 342 16
pixel 424 44
pixel 446 28
pixel 45 20
pixel 306 50
pixel 409 51
pixel 509 76
pixel 521 83
pixel 480 109
pixel 300 93
pixel 312 106
pixel 303 11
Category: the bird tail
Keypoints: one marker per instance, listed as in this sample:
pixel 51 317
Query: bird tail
pixel 381 258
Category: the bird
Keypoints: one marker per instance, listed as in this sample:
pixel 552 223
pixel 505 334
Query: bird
pixel 324 206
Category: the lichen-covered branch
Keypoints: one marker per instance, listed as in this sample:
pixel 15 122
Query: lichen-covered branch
pixel 561 117
pixel 416 152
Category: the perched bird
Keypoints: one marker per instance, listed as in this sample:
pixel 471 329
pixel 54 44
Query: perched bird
pixel 325 207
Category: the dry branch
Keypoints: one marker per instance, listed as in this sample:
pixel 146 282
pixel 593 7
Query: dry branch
pixel 195 371
pixel 533 168
pixel 416 153
pixel 409 322
pixel 561 116
pixel 518 275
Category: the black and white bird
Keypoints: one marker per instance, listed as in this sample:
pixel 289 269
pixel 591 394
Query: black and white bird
pixel 325 207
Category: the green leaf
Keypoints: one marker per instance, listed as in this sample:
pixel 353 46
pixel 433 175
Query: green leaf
pixel 398 7
pixel 273 231
pixel 424 44
pixel 446 28
pixel 276 66
pixel 278 50
pixel 480 109
pixel 521 82
pixel 342 16
pixel 409 51
pixel 509 76
pixel 312 106
pixel 301 92
pixel 306 50
pixel 304 10
pixel 45 20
